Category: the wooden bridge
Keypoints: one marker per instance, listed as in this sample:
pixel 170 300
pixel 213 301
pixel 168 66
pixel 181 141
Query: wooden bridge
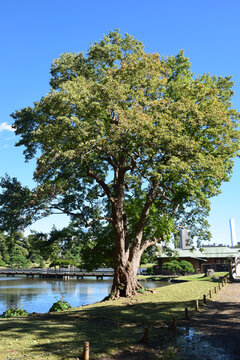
pixel 57 273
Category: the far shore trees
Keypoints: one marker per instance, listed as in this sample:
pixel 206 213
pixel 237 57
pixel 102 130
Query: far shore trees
pixel 128 144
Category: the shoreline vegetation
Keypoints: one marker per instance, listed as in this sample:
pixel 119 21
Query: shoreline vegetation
pixel 111 327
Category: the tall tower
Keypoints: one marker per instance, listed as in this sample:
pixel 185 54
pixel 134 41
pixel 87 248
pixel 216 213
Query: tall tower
pixel 184 241
pixel 233 232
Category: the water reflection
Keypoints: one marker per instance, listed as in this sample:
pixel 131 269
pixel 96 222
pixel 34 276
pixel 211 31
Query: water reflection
pixel 38 295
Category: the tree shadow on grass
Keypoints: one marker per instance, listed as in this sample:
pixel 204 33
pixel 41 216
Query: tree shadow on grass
pixel 107 328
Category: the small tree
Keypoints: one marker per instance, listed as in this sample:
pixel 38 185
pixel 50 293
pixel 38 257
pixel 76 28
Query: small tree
pixel 14 249
pixel 4 251
pixel 18 260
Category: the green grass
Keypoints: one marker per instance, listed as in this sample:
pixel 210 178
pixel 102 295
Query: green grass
pixel 109 326
pixel 155 277
pixel 201 277
pixel 195 277
pixel 148 265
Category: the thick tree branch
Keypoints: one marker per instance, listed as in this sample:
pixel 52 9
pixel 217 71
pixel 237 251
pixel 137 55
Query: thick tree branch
pixel 106 218
pixel 107 156
pixel 146 209
pixel 87 223
pixel 136 245
pixel 175 210
pixel 134 165
pixel 102 183
pixel 148 243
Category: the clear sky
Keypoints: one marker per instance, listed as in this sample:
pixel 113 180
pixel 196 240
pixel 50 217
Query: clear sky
pixel 33 33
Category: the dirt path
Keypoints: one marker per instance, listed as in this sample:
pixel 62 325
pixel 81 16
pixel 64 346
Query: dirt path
pixel 215 332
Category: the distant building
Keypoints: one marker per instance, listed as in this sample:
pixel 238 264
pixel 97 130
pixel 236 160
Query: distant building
pixel 184 241
pixel 233 232
pixel 211 257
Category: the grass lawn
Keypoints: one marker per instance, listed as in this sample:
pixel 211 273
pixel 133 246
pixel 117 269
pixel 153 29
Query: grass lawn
pixel 109 326
pixel 201 277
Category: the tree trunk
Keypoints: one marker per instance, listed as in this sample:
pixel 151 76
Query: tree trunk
pixel 125 283
pixel 127 256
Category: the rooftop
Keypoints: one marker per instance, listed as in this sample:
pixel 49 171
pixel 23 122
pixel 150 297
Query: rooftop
pixel 207 252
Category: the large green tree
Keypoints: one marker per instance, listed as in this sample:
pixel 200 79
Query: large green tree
pixel 131 141
pixel 14 249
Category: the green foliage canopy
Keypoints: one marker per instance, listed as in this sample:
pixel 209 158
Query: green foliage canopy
pixel 14 249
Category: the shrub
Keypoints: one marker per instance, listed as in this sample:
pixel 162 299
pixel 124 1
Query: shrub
pixel 182 267
pixel 18 259
pixel 150 271
pixel 173 265
pixel 187 267
pixel 141 291
pixel 60 305
pixel 13 312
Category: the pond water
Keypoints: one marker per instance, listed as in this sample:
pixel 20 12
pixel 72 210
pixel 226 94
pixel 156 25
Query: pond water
pixel 38 295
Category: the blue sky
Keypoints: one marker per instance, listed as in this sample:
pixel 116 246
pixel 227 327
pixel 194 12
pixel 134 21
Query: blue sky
pixel 33 33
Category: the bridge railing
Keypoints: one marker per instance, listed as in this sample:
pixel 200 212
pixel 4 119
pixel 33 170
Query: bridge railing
pixel 73 271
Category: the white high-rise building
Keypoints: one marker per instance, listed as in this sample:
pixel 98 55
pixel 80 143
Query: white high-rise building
pixel 184 241
pixel 233 232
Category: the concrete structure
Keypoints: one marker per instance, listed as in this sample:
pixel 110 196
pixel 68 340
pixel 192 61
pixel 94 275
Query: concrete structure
pixel 233 232
pixel 184 241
